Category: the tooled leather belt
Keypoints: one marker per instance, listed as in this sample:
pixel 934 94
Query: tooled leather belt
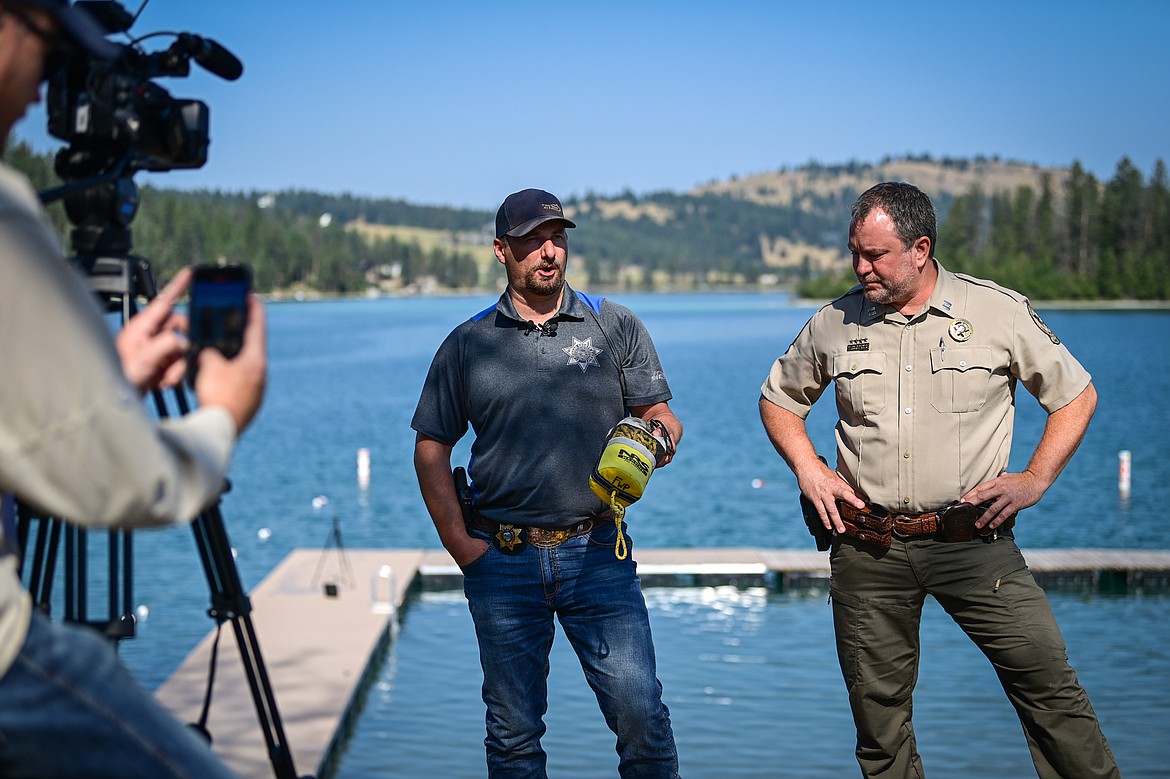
pixel 956 522
pixel 508 536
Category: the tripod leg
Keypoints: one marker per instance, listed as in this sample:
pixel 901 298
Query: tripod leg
pixel 230 603
pixel 346 570
pixel 321 557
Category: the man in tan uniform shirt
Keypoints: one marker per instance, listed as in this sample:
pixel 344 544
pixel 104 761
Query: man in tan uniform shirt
pixel 925 363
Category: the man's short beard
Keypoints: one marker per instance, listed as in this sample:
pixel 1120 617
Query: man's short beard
pixel 541 287
pixel 899 293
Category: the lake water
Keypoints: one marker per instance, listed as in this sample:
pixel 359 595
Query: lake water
pixel 750 676
pixel 754 692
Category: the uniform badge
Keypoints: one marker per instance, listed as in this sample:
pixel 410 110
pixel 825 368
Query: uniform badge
pixel 510 539
pixel 582 353
pixel 1043 327
pixel 961 330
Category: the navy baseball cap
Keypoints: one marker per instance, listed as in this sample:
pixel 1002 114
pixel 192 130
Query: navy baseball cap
pixel 77 26
pixel 522 211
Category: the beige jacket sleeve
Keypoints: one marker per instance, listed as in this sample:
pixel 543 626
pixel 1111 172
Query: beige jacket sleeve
pixel 75 439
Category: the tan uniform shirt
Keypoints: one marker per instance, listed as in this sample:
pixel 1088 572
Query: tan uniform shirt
pixel 75 440
pixel 926 403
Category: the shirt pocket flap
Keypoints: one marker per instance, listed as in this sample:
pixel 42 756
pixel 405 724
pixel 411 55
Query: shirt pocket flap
pixel 855 363
pixel 961 358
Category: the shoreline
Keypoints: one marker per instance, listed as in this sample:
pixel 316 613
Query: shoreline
pixel 307 296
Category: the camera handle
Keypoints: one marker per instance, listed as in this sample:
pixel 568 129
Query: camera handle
pixel 119 280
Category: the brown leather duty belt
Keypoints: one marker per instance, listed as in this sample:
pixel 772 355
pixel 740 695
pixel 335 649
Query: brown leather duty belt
pixel 511 539
pixel 956 522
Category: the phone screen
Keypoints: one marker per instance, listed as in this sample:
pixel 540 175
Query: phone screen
pixel 218 311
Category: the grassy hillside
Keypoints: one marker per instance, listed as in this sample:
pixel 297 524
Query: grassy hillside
pixel 942 180
pixel 432 240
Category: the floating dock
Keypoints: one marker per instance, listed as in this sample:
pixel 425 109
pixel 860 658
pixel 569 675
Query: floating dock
pixel 323 616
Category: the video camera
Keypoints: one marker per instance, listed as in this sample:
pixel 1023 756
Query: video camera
pixel 116 120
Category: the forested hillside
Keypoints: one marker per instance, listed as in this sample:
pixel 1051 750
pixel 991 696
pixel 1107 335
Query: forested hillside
pixel 1052 233
pixel 288 239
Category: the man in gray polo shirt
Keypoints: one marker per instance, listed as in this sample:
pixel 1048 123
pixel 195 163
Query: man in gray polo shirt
pixel 925 364
pixel 542 377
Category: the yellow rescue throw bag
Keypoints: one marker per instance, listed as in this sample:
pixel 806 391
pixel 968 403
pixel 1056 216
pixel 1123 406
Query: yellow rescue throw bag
pixel 632 451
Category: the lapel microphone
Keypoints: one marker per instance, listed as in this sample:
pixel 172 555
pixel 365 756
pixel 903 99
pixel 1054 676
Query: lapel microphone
pixel 548 328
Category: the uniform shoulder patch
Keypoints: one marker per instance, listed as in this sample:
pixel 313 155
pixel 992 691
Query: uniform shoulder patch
pixel 1043 327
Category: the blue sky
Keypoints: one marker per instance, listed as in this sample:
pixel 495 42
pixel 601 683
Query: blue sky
pixel 461 102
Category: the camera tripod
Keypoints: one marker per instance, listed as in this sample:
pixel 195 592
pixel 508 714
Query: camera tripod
pixel 119 278
pixel 344 569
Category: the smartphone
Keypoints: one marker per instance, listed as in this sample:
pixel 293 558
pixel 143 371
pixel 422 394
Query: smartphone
pixel 218 311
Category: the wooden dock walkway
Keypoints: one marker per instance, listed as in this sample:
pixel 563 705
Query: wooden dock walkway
pixel 318 647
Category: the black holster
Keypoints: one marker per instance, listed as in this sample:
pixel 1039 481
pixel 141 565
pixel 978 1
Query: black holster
pixel 822 535
pixel 463 492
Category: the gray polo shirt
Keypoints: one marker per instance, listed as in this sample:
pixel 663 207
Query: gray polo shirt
pixel 541 403
pixel 926 403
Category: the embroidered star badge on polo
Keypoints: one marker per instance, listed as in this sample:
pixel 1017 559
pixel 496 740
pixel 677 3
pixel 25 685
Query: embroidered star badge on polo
pixel 583 353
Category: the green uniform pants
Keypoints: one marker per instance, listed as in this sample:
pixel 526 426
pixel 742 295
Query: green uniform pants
pixel 989 591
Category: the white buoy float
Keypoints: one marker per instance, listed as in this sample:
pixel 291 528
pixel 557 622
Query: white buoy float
pixel 363 467
pixel 1124 469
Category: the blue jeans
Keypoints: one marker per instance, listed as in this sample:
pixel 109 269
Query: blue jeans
pixel 599 603
pixel 69 708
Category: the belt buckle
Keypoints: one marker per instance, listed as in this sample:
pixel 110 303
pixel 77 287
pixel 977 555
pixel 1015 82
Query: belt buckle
pixel 905 527
pixel 908 527
pixel 897 521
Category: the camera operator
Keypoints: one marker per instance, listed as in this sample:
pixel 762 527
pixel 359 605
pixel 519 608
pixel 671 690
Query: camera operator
pixel 76 442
